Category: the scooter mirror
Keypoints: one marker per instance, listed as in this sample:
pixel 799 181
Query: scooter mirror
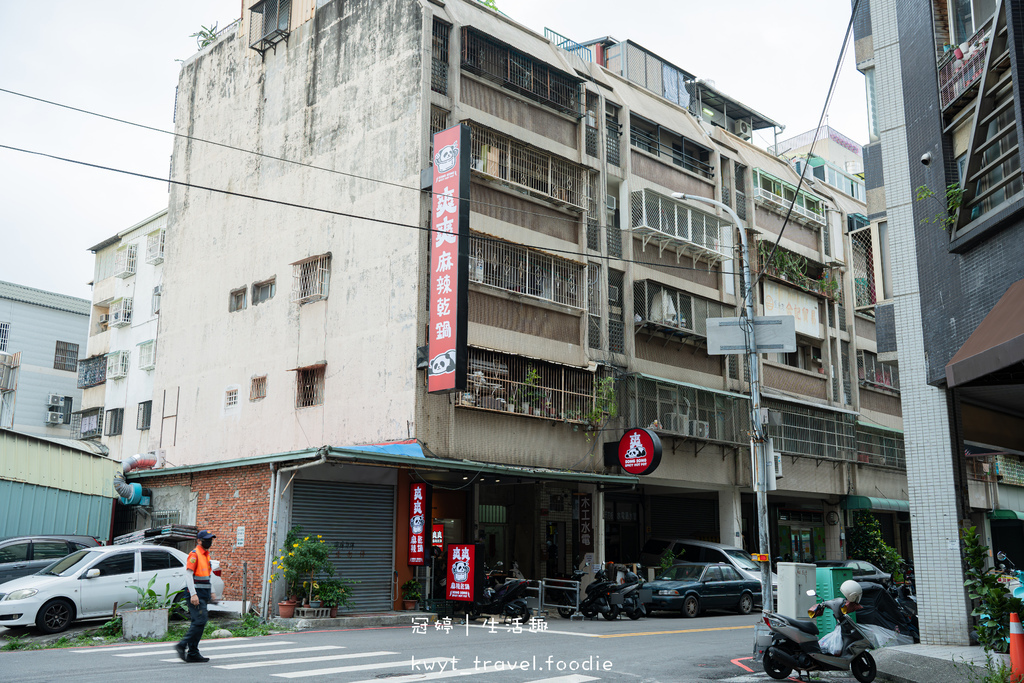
pixel 1001 556
pixel 811 593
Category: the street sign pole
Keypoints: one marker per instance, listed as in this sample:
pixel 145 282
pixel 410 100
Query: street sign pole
pixel 757 441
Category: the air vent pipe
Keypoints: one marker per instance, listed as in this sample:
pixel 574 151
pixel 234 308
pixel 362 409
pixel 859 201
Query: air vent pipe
pixel 131 494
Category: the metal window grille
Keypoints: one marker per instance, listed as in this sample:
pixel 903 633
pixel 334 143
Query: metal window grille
pixel 520 72
pixel 875 373
pixel 5 336
pixel 155 247
pixel 517 269
pixel 880 447
pixel 569 46
pixel 309 386
pixel 67 409
pixel 499 381
pixel 311 279
pixel 236 300
pixel 88 424
pixel 594 306
pixel 613 235
pixel 92 372
pixel 540 173
pixel 118 363
pixel 145 416
pixel 657 216
pixel 114 421
pixel 66 357
pixel 120 313
pixel 847 381
pixel 269 23
pixel 612 133
pixel 863 268
pixel 590 129
pixel 650 142
pixel 124 261
pixel 842 310
pixel 157 295
pixel 616 324
pixel 662 306
pixel 685 410
pixel 166 517
pixel 147 355
pixel 231 398
pixel 438 122
pixel 258 388
pixel 813 433
pixel 439 56
pixel 593 234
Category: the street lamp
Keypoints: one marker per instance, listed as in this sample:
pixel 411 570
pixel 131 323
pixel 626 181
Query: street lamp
pixel 757 441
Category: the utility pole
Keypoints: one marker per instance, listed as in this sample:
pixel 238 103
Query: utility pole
pixel 757 439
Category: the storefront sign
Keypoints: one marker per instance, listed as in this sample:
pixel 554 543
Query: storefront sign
pixel 782 300
pixel 419 514
pixel 461 572
pixel 639 451
pixel 586 523
pixel 437 538
pixel 449 261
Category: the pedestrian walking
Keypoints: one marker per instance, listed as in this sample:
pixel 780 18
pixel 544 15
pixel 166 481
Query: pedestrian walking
pixel 197 578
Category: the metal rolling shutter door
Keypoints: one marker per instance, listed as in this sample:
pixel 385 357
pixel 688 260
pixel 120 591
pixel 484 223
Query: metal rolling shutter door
pixel 361 517
pixel 678 517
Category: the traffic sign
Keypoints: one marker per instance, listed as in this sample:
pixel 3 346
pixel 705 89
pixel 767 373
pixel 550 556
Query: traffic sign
pixel 772 334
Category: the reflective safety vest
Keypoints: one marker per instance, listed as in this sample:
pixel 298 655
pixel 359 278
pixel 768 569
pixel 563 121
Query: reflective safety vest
pixel 199 564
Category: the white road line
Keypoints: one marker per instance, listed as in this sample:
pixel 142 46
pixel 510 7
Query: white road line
pixel 361 667
pixel 205 648
pixel 287 650
pixel 450 673
pixel 153 646
pixel 526 629
pixel 306 660
pixel 571 678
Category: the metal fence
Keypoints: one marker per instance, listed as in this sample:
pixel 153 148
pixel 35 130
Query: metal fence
pixel 875 373
pixel 956 76
pixel 683 410
pixel 569 46
pixel 880 447
pixel 515 268
pixel 648 209
pixel 667 307
pixel 813 433
pixel 647 141
pixel 863 268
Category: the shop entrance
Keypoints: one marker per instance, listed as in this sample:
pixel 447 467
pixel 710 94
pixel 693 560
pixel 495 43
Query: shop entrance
pixel 801 536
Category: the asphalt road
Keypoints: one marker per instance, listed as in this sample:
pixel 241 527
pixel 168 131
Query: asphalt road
pixel 657 649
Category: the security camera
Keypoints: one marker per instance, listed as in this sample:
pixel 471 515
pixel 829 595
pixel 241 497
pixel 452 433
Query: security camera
pixel 926 158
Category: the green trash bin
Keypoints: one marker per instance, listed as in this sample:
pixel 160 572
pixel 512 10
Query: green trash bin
pixel 828 580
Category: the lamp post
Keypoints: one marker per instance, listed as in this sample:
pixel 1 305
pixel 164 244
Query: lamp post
pixel 757 441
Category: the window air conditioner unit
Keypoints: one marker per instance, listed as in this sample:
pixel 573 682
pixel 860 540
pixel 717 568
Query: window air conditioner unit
pixel 699 429
pixel 54 418
pixel 611 203
pixel 55 401
pixel 104 319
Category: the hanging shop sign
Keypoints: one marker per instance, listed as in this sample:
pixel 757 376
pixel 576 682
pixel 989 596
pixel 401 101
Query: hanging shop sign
pixel 639 451
pixel 461 572
pixel 437 537
pixel 782 300
pixel 449 261
pixel 419 513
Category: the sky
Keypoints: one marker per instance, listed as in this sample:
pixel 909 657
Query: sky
pixel 118 58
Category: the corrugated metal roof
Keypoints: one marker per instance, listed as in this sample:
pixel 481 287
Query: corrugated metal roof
pixel 38 297
pixel 56 463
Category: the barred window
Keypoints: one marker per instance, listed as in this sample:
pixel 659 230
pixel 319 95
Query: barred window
pixel 145 415
pixel 309 386
pixel 114 421
pixel 231 398
pixel 147 355
pixel 5 335
pixel 92 372
pixel 89 423
pixel 311 278
pixel 66 410
pixel 66 357
pixel 258 388
pixel 439 56
pixel 124 265
pixel 527 271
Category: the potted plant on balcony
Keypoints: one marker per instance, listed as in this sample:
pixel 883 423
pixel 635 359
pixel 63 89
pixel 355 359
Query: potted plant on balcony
pixel 410 594
pixel 606 406
pixel 532 395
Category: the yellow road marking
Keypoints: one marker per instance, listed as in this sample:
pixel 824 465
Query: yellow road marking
pixel 687 630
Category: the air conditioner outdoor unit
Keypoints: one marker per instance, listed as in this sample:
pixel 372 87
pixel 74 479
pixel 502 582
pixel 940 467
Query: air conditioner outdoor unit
pixel 54 418
pixel 699 429
pixel 104 318
pixel 675 422
pixel 611 203
pixel 742 129
pixel 55 401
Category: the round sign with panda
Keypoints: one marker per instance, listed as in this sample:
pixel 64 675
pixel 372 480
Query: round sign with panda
pixel 639 451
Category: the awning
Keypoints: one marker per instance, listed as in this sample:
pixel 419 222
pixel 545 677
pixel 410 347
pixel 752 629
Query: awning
pixel 869 503
pixel 1006 514
pixel 996 343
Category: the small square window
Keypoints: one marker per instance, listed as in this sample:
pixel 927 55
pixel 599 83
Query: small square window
pixel 309 389
pixel 66 357
pixel 115 421
pixel 258 389
pixel 145 415
pixel 157 294
pixel 237 300
pixel 231 398
pixel 264 291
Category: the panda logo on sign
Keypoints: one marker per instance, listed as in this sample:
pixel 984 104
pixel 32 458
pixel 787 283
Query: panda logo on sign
pixel 460 571
pixel 636 448
pixel 417 524
pixel 446 157
pixel 443 363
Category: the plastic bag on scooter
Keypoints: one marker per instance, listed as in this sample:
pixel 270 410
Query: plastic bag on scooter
pixel 832 643
pixel 883 637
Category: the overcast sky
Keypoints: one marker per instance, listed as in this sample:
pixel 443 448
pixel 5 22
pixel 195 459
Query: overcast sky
pixel 118 58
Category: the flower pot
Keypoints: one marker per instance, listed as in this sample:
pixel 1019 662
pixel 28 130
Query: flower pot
pixel 334 612
pixel 286 609
pixel 408 605
pixel 314 604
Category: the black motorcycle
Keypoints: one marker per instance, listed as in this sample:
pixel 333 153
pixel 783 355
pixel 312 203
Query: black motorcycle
pixel 504 600
pixel 600 597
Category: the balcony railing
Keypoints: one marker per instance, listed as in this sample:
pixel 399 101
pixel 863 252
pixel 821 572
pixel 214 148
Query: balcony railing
pixel 956 76
pixel 881 448
pixel 517 269
pixel 550 177
pixel 773 199
pixel 684 411
pixel 874 373
pixel 569 46
pixel 674 225
pixel 670 310
pixel 613 131
pixel 650 144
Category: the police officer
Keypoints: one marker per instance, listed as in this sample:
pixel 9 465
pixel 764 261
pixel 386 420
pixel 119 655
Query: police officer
pixel 197 578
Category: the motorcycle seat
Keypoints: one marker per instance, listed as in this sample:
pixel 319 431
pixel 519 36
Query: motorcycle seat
pixel 808 627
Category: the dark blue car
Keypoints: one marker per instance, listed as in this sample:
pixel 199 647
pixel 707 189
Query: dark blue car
pixel 691 588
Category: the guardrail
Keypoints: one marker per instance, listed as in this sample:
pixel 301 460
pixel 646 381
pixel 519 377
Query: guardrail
pixel 561 594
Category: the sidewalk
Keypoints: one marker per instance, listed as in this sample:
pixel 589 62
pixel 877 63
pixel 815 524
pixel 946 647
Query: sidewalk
pixel 932 663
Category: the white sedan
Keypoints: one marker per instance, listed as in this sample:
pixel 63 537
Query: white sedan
pixel 92 583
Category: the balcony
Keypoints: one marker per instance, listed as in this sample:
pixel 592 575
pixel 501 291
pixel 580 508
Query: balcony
pixel 270 20
pixel 682 410
pixel 774 201
pixel 670 312
pixel 92 371
pixel 649 142
pixel 875 374
pixel 517 269
pixel 671 224
pixel 957 76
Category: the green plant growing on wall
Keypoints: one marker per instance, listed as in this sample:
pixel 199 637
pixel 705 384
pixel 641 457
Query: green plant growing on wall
pixel 204 36
pixel 946 218
pixel 866 543
pixel 994 603
pixel 606 405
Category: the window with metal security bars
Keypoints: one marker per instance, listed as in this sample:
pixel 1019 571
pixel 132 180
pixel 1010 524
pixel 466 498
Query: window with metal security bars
pixel 847 381
pixel 813 433
pixel 268 23
pixel 5 336
pixel 92 372
pixel 520 72
pixel 616 324
pixel 231 398
pixel 880 447
pixel 875 373
pixel 67 409
pixel 165 517
pixel 683 410
pixel 612 133
pixel 671 223
pixel 258 388
pixel 311 278
pixel 779 196
pixel 593 234
pixel 661 142
pixel 118 363
pixel 438 122
pixel 740 183
pixel 439 56
pixel 114 422
pixel 659 307
pixel 613 234
pixel 493 514
pixel 594 306
pixel 66 357
pixel 125 261
pixel 540 173
pixel 158 292
pixel 88 424
pixel 499 381
pixel 591 133
pixel 863 268
pixel 515 268
pixel 309 386
pixel 145 416
pixel 120 312
pixel 155 247
pixel 147 355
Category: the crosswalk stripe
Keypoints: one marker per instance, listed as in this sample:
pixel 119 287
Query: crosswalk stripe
pixel 450 673
pixel 359 667
pixel 152 646
pixel 306 660
pixel 210 648
pixel 287 650
pixel 571 678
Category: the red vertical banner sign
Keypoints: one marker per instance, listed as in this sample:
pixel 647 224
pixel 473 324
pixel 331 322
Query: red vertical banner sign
pixel 461 572
pixel 438 536
pixel 419 519
pixel 449 261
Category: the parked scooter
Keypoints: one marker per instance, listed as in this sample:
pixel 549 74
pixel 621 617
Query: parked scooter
pixel 795 642
pixel 632 607
pixel 1016 583
pixel 501 599
pixel 598 597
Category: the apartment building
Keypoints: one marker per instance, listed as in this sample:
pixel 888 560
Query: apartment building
pixel 943 102
pixel 291 378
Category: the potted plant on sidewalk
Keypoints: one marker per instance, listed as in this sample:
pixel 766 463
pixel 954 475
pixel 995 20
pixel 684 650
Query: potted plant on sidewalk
pixel 410 594
pixel 149 618
pixel 302 561
pixel 335 593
